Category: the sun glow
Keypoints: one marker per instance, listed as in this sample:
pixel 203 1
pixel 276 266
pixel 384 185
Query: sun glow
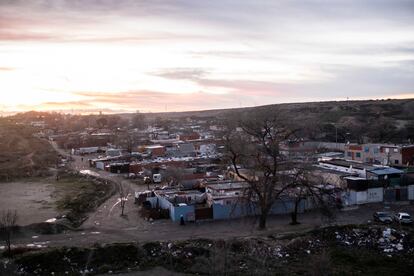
pixel 133 55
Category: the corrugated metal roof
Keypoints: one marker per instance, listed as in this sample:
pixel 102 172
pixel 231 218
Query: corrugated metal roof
pixel 385 170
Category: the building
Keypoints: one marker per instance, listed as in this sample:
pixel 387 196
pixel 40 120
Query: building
pixel 155 150
pixel 384 154
pixel 189 136
pixel 367 183
pixel 221 200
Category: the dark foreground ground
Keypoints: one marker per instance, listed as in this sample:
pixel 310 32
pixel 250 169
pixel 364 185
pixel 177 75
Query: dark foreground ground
pixel 336 250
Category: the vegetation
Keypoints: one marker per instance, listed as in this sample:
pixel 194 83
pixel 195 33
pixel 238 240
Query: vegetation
pixel 79 195
pixel 8 223
pixel 356 121
pixel 22 154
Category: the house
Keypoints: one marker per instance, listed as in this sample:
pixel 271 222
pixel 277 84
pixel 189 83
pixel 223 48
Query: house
pixel 384 154
pixel 370 183
pixel 189 136
pixel 155 150
pixel 179 203
pixel 221 200
pixel 361 191
pixel 185 150
pixel 113 152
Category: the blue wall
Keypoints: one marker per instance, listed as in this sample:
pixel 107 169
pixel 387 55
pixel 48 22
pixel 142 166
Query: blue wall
pixel 232 211
pixel 177 211
pixel 237 211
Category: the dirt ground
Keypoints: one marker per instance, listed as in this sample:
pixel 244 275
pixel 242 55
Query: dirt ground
pixel 152 272
pixel 32 199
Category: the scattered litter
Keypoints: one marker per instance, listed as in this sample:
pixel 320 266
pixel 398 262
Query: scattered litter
pixel 386 240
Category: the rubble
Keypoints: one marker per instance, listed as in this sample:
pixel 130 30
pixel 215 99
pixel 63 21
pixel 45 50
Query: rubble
pixel 241 254
pixel 388 240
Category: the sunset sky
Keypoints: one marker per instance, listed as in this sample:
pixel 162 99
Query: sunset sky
pixel 170 55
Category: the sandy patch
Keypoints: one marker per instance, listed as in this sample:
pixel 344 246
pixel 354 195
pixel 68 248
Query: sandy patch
pixel 32 200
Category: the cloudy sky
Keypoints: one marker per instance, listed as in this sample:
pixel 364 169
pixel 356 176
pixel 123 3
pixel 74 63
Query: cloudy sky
pixel 166 55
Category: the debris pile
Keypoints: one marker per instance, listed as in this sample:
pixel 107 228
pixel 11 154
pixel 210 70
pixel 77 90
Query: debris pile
pixel 387 240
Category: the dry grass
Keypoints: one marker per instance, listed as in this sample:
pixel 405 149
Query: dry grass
pixel 22 154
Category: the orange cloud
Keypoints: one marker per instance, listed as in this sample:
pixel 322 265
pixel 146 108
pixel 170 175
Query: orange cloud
pixel 159 101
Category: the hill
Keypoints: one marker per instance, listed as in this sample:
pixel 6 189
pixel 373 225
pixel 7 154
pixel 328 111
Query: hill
pixel 22 154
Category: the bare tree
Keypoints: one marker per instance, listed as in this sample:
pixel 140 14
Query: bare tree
pixel 139 121
pixel 8 222
pixel 124 191
pixel 254 149
pixel 173 176
pixel 309 187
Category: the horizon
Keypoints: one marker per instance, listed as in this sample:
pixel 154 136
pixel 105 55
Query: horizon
pixel 104 112
pixel 163 56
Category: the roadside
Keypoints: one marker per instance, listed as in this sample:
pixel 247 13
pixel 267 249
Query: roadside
pixel 101 228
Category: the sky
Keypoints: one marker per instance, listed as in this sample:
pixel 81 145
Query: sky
pixel 166 55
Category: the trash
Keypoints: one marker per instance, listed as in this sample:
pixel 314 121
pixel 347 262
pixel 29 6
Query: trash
pixel 386 233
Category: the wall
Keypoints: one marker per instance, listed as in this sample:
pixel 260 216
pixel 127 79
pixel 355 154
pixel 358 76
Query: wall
pixel 324 145
pixel 375 195
pixel 410 192
pixel 408 155
pixel 187 212
pixel 100 165
pixel 237 210
pixel 286 207
pixel 231 211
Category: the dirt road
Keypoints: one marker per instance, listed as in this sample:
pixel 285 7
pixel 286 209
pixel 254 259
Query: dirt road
pixel 133 229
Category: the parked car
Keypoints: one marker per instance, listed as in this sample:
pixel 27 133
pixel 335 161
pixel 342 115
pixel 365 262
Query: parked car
pixel 383 217
pixel 403 218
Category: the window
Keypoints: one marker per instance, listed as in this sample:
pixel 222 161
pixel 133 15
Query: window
pixel 366 149
pixel 358 155
pixel 396 162
pixel 395 150
pixel 349 154
pixel 376 150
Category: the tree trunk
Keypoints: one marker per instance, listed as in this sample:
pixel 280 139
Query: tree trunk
pixel 122 208
pixel 263 219
pixel 8 242
pixel 294 214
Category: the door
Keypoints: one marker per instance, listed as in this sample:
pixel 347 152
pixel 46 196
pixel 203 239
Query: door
pixel 203 213
pixel 397 195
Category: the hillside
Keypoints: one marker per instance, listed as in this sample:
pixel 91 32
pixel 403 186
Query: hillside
pixel 22 154
pixel 378 121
